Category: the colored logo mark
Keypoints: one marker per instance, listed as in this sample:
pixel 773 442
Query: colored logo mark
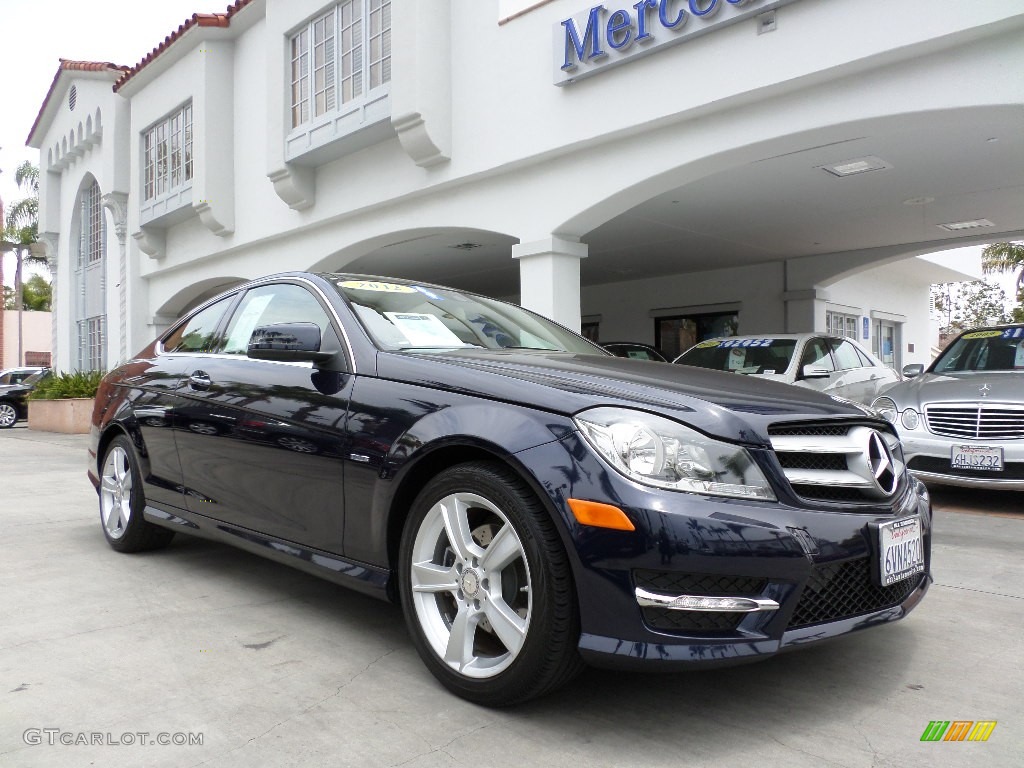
pixel 958 730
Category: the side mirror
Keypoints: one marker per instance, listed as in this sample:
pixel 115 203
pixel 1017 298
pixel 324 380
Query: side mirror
pixel 287 343
pixel 912 370
pixel 810 372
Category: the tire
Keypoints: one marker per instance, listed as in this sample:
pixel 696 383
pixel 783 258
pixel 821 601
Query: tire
pixel 487 589
pixel 122 501
pixel 8 415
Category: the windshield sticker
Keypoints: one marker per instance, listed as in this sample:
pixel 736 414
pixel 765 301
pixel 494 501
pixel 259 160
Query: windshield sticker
pixel 1013 333
pixel 707 344
pixel 428 293
pixel 746 343
pixel 982 334
pixel 424 330
pixel 370 285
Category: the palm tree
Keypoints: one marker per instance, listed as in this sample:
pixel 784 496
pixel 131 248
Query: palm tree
pixel 1004 257
pixel 21 230
pixel 1007 257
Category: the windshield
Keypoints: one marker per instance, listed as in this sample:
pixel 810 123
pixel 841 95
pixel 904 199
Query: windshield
pixel 993 350
pixel 401 316
pixel 764 356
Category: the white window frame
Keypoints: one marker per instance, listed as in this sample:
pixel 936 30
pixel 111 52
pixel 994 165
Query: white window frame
pixel 93 245
pixel 168 159
pixel 92 343
pixel 326 76
pixel 842 324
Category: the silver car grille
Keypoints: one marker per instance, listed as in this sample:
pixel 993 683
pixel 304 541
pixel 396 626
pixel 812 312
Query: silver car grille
pixel 839 463
pixel 983 421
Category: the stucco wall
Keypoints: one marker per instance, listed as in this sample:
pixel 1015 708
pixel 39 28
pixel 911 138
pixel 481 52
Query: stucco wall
pixel 35 335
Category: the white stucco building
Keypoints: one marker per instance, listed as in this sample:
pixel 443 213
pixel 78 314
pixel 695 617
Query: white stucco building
pixel 649 170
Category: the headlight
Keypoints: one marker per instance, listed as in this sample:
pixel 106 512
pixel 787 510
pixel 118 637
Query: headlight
pixel 910 418
pixel 657 451
pixel 886 408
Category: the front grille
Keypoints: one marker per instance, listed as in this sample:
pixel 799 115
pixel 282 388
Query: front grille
pixel 843 590
pixel 976 421
pixel 695 622
pixel 1011 471
pixel 833 462
pixel 831 430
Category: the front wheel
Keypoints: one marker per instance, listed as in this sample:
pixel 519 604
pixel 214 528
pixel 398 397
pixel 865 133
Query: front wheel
pixel 486 587
pixel 8 415
pixel 122 502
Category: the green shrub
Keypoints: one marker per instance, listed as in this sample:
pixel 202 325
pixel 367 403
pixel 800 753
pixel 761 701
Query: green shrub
pixel 59 386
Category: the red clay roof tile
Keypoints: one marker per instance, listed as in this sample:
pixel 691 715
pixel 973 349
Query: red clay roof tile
pixel 197 19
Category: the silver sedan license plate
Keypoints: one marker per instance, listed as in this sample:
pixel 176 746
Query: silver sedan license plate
pixel 901 554
pixel 977 457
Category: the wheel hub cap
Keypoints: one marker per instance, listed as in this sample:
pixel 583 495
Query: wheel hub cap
pixel 470 583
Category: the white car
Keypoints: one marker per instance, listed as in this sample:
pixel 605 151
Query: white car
pixel 836 366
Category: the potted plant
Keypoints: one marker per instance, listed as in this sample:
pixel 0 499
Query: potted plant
pixel 63 402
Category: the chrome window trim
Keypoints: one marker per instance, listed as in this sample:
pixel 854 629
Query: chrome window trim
pixel 256 284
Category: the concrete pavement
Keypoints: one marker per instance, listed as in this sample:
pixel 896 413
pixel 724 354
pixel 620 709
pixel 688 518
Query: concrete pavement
pixel 271 667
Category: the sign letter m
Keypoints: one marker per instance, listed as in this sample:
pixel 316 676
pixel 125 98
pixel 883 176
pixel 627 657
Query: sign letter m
pixel 935 730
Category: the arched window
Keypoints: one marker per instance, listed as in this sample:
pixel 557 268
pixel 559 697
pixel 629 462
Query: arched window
pixel 93 247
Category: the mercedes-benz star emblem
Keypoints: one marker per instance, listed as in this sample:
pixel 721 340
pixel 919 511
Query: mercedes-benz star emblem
pixel 985 389
pixel 882 465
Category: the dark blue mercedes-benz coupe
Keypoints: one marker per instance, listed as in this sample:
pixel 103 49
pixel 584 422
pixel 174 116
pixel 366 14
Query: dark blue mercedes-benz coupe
pixel 533 502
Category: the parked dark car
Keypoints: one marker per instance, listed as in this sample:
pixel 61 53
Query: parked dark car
pixel 532 502
pixel 13 399
pixel 634 351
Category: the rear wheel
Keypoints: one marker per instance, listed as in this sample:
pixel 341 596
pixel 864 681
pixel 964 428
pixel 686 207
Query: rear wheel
pixel 122 501
pixel 8 415
pixel 486 587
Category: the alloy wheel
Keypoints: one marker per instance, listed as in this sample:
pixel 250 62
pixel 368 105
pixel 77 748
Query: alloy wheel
pixel 471 586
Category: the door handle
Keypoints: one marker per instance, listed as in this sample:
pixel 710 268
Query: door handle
pixel 199 380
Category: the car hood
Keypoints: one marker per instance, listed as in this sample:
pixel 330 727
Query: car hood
pixel 1002 386
pixel 724 404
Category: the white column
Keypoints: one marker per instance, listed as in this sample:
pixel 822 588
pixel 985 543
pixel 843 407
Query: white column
pixel 549 278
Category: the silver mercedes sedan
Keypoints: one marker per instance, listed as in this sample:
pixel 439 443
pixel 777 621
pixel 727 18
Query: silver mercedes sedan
pixel 962 420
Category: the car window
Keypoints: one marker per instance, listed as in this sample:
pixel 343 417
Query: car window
pixel 271 304
pixel 199 334
pixel 992 350
pixel 866 361
pixel 764 356
pixel 846 355
pixel 816 354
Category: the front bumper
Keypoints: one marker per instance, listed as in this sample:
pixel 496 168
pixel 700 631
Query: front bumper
pixel 928 457
pixel 814 562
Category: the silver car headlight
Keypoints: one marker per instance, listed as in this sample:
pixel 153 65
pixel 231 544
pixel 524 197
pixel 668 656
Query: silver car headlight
pixel 886 408
pixel 657 451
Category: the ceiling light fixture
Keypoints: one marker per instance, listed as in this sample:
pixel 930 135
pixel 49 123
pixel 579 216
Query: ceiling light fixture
pixel 466 246
pixel 856 165
pixel 957 226
pixel 918 200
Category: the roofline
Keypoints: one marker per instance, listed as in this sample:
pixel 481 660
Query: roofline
pixel 68 65
pixel 195 20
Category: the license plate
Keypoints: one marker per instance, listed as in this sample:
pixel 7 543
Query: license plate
pixel 901 553
pixel 977 457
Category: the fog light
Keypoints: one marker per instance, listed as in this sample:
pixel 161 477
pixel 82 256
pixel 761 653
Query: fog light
pixel 910 419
